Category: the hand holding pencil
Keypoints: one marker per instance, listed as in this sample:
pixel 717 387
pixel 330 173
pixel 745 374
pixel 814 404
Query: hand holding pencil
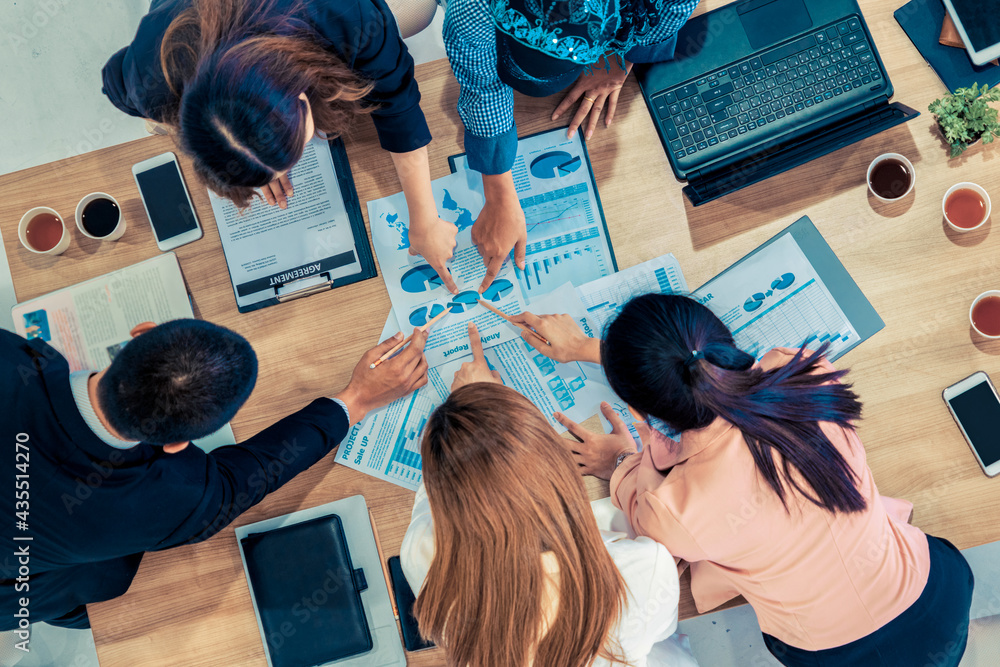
pixel 399 346
pixel 564 340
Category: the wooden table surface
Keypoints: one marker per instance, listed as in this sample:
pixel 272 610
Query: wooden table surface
pixel 190 605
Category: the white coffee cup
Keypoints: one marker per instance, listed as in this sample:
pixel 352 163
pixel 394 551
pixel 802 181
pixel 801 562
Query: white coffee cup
pixel 966 186
pixel 22 231
pixel 972 309
pixel 891 156
pixel 119 229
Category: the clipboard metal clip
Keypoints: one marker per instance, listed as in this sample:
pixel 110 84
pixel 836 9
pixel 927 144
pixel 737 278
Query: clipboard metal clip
pixel 308 290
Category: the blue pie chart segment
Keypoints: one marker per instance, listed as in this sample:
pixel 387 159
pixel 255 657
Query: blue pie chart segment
pixel 784 282
pixel 554 164
pixel 420 278
pixel 754 302
pixel 419 318
pixel 500 289
pixel 463 302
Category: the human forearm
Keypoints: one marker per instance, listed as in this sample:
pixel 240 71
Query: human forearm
pixel 413 171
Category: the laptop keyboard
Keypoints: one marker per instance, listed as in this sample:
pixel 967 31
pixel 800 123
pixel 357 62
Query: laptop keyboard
pixel 809 72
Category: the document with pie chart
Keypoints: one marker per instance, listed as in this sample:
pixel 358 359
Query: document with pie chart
pixel 567 235
pixel 416 291
pixel 776 298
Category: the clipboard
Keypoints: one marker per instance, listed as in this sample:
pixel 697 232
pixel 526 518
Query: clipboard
pixel 855 305
pixel 280 284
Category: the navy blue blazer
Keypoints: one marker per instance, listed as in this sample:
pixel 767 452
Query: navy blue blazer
pixel 92 510
pixel 362 32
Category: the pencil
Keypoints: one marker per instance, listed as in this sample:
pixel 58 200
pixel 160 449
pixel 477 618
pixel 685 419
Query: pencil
pixel 399 346
pixel 385 567
pixel 516 324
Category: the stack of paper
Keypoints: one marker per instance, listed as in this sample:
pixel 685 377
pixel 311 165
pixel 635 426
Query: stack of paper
pixel 568 248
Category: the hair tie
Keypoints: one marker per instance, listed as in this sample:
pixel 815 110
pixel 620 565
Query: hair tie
pixel 695 356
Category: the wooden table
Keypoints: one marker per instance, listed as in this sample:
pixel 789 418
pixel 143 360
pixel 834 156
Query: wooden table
pixel 190 606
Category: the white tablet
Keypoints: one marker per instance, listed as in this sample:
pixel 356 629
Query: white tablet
pixel 978 22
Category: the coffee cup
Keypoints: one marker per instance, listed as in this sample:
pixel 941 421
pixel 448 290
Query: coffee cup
pixel 966 206
pixel 98 216
pixel 985 314
pixel 890 177
pixel 43 231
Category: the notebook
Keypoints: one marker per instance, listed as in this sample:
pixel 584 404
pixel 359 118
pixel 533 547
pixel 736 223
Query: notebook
pixel 921 20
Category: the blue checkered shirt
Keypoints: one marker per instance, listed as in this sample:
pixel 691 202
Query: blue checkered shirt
pixel 485 103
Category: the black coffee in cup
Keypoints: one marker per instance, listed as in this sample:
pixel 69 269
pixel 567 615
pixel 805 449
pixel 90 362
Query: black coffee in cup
pixel 100 217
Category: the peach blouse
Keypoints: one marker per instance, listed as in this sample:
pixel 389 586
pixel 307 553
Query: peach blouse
pixel 816 580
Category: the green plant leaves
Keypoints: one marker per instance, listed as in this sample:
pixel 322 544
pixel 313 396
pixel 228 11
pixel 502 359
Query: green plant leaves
pixel 966 116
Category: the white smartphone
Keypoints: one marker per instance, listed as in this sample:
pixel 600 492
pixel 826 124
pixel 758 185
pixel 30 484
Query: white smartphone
pixel 974 404
pixel 978 26
pixel 167 201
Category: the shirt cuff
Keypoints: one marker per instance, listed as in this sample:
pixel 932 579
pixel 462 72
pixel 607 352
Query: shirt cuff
pixel 346 411
pixel 402 133
pixel 492 155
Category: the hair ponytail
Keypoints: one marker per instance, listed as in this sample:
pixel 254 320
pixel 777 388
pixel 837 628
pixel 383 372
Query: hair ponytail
pixel 647 353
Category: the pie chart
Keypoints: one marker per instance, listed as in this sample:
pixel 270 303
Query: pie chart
pixel 463 302
pixel 754 302
pixel 419 318
pixel 784 281
pixel 420 278
pixel 500 289
pixel 554 164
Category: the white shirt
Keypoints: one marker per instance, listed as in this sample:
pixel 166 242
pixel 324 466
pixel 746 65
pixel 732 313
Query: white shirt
pixel 645 632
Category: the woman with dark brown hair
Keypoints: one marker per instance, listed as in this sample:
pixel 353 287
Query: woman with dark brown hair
pixel 512 570
pixel 245 84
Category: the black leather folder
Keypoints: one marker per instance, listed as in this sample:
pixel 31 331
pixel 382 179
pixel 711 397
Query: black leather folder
pixel 308 595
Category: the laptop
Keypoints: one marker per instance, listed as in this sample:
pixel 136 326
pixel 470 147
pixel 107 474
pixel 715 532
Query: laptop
pixel 759 87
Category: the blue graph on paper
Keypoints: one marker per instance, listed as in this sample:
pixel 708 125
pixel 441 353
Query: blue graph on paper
pixel 806 316
pixel 404 462
pixel 577 257
pixel 566 241
pixel 605 299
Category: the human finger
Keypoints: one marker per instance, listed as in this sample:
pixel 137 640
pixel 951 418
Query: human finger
pixel 617 423
pixel 475 343
pixel 445 275
pixel 581 114
pixel 529 319
pixel 286 184
pixel 279 193
pixel 595 115
pixel 609 115
pixel 384 346
pixel 268 194
pixel 572 96
pixel 492 269
pixel 575 429
pixel 520 249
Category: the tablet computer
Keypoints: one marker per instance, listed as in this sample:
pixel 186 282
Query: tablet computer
pixel 978 26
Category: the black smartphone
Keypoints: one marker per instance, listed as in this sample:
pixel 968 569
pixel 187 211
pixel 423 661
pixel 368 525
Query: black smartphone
pixel 404 602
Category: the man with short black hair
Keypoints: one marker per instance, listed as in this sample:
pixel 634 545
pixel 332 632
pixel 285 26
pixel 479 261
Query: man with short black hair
pixel 106 468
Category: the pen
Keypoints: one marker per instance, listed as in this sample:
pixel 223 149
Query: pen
pixel 516 324
pixel 399 346
pixel 385 568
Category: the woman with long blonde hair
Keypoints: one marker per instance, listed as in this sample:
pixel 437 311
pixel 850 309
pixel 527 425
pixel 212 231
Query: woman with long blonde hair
pixel 245 84
pixel 505 553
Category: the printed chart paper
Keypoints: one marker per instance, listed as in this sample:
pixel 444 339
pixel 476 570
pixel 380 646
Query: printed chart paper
pixel 605 298
pixel 415 289
pixel 567 236
pixel 776 299
pixel 386 444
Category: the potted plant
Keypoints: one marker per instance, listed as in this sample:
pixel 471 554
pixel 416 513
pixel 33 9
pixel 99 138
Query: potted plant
pixel 966 117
